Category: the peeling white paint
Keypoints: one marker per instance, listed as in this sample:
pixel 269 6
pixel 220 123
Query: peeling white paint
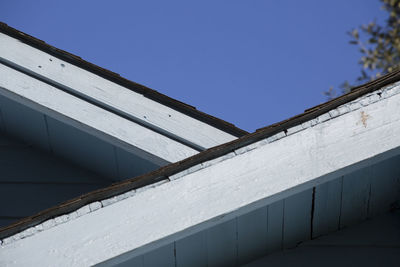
pixel 252 173
pixel 109 93
pixel 90 118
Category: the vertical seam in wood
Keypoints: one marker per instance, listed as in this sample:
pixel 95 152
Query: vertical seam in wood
pixel 48 134
pixel 175 260
pixel 312 213
pixel 341 202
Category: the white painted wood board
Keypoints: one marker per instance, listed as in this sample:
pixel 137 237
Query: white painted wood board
pixel 220 192
pixel 113 95
pixel 297 218
pixel 92 119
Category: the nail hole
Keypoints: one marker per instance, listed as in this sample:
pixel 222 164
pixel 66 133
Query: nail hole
pixel 62 65
pixel 144 117
pixel 169 115
pixel 50 59
pixel 40 66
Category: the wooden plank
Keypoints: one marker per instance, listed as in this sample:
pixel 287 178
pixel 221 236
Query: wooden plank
pixel 24 123
pixel 111 94
pixel 222 244
pixel 385 187
pixel 227 189
pixel 192 250
pixel 163 256
pixel 22 200
pixel 275 226
pixel 355 197
pixel 297 218
pixel 26 164
pixel 130 165
pixel 90 118
pixel 327 203
pixel 252 235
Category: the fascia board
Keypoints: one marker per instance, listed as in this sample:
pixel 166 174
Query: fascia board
pixel 90 118
pixel 110 94
pixel 328 146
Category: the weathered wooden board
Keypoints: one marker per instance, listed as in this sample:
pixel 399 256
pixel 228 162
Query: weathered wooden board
pixel 108 93
pixel 327 205
pixel 252 229
pixel 225 190
pixel 89 118
pixel 297 218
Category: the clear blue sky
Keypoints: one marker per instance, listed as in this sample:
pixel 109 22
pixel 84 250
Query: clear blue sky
pixel 249 62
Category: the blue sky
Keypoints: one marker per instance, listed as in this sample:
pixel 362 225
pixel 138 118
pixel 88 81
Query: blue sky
pixel 251 62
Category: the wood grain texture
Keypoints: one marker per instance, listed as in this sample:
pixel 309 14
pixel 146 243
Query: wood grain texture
pixel 111 94
pixel 89 118
pixel 226 190
pixel 327 206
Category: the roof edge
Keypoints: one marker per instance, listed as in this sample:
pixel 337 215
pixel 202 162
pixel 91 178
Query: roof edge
pixel 165 172
pixel 116 78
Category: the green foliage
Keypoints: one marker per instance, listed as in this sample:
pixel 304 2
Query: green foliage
pixel 379 46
